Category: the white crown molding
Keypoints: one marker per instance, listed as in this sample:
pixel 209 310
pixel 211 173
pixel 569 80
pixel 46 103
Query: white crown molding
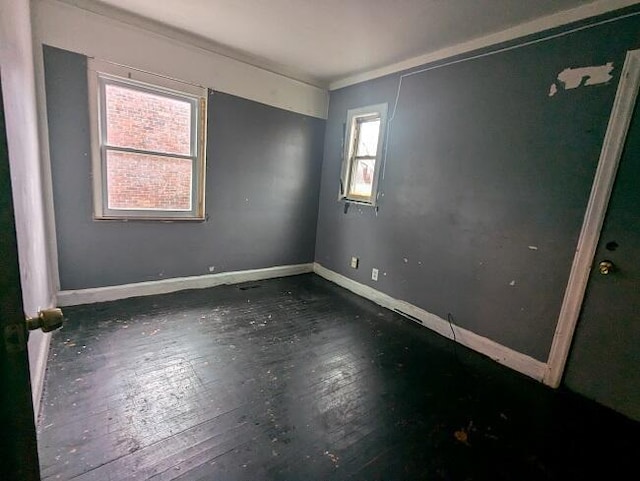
pixel 501 354
pixel 184 36
pixel 541 24
pixel 164 286
pixel 134 42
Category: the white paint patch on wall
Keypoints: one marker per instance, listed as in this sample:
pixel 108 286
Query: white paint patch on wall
pixel 572 78
pixel 589 9
pixel 77 30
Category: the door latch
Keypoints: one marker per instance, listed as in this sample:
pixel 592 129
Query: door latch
pixel 605 267
pixel 47 319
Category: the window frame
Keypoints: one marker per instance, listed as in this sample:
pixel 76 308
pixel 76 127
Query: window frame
pixel 101 74
pixel 356 117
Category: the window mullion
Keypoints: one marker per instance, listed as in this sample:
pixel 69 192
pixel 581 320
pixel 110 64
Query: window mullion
pixel 131 150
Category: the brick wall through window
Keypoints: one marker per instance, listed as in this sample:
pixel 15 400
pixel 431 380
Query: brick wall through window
pixel 138 181
pixel 145 121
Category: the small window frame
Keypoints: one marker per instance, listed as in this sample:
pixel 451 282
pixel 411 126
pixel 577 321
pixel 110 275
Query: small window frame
pixel 355 118
pixel 102 73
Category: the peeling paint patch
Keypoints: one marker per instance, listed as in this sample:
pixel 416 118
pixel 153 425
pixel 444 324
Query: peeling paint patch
pixel 512 283
pixel 533 248
pixel 553 90
pixel 572 78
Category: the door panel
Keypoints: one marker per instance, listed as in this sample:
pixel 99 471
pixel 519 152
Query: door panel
pixel 18 453
pixel 604 363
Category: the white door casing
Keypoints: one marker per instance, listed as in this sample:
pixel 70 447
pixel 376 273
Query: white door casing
pixel 605 176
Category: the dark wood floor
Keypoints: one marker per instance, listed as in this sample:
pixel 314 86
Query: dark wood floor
pixel 297 379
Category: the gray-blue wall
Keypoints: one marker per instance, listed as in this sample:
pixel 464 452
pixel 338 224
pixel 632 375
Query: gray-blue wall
pixel 262 183
pixel 485 186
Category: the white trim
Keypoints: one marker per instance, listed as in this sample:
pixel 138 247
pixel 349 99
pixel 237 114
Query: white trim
pixel 146 23
pixel 535 26
pixel 38 355
pixel 101 73
pixel 96 35
pixel 508 357
pixel 379 110
pixel 612 148
pixel 45 166
pixel 124 291
pixel 173 85
pixel 93 89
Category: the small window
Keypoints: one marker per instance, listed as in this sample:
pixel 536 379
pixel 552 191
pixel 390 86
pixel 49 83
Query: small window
pixel 148 143
pixel 363 148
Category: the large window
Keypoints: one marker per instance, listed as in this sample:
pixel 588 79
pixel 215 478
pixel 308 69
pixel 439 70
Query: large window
pixel 362 153
pixel 149 144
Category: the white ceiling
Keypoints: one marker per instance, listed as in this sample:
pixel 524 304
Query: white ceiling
pixel 327 40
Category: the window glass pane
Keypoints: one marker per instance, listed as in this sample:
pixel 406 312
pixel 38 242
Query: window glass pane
pixel 368 138
pixel 140 181
pixel 145 121
pixel 362 177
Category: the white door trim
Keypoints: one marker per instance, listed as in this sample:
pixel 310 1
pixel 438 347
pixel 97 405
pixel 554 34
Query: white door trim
pixel 612 148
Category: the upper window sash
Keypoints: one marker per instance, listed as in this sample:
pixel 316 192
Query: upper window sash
pixel 101 74
pixel 106 80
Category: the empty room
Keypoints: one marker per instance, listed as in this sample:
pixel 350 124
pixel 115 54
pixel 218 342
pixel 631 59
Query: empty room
pixel 319 240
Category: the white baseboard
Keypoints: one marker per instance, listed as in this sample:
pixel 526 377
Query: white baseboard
pixel 499 353
pixel 150 288
pixel 38 346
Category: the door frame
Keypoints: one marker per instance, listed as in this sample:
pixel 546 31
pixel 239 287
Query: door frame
pixel 612 147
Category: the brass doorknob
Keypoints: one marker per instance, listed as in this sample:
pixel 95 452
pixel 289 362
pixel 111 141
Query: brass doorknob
pixel 47 320
pixel 605 267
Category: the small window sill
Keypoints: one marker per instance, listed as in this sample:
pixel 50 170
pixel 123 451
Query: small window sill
pixel 361 202
pixel 149 219
pixel 358 202
pixel 348 202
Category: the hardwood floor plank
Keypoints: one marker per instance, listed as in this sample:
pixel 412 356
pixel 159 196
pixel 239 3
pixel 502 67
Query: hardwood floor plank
pixel 298 379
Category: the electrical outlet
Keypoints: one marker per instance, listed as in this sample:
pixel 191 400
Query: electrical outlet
pixel 354 262
pixel 374 274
